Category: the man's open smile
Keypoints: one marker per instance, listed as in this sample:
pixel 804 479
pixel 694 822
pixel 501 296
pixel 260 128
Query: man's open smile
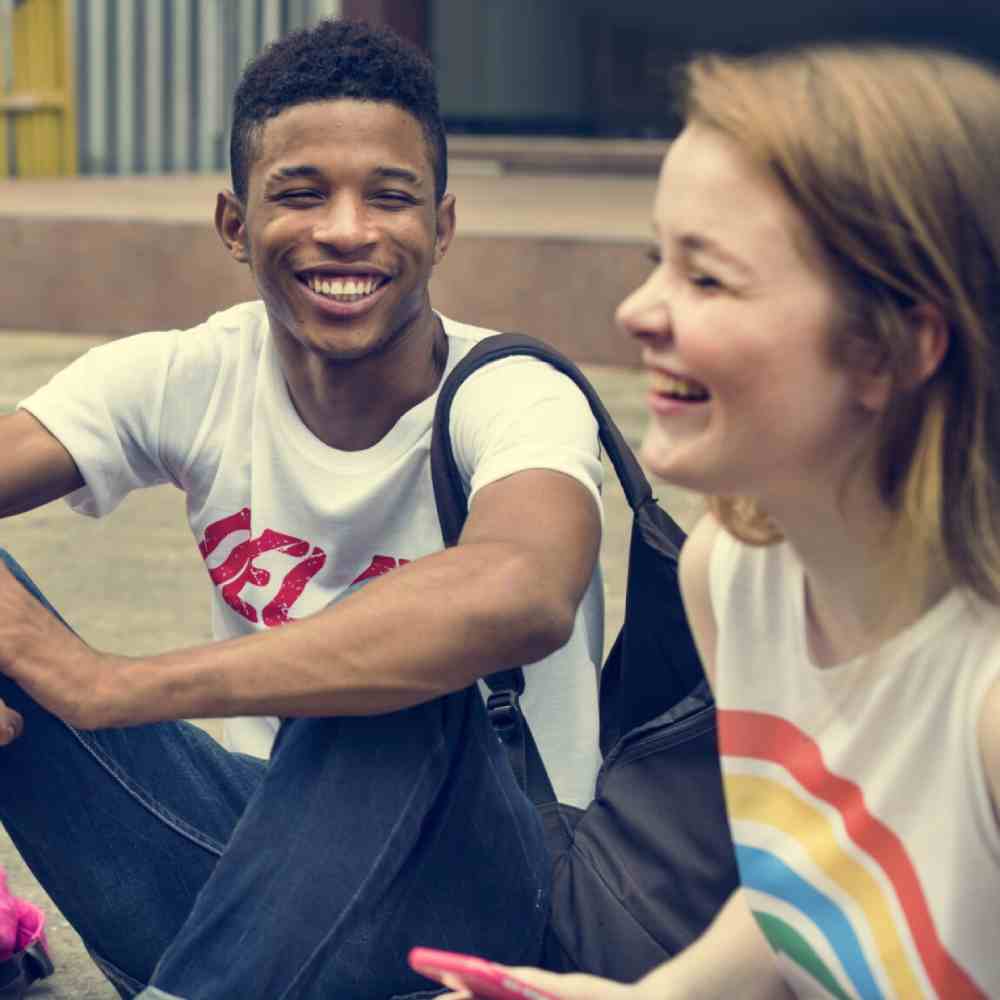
pixel 349 292
pixel 345 289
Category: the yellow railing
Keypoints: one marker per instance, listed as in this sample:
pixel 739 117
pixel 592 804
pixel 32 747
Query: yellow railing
pixel 37 91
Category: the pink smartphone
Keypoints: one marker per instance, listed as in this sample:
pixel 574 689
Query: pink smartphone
pixel 484 979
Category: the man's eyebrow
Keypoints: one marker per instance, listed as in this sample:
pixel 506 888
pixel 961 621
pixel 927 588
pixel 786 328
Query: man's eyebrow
pixel 697 243
pixel 293 171
pixel 306 170
pixel 398 174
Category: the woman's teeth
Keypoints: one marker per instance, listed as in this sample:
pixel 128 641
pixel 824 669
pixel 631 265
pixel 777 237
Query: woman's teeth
pixel 677 387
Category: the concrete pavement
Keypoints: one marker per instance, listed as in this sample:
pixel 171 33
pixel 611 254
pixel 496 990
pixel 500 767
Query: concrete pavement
pixel 134 583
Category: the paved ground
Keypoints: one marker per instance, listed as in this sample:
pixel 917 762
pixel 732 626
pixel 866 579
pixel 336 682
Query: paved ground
pixel 134 582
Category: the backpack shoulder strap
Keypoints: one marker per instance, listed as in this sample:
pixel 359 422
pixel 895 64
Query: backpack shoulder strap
pixel 449 495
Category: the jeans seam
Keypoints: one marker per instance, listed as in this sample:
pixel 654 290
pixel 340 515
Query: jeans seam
pixel 114 974
pixel 308 963
pixel 137 792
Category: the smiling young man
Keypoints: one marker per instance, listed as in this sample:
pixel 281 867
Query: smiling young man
pixel 363 803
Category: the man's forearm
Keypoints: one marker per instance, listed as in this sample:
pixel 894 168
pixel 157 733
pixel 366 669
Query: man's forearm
pixel 428 628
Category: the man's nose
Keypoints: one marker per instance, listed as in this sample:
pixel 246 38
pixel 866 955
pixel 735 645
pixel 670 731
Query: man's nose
pixel 345 225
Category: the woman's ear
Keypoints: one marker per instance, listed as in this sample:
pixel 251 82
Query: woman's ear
pixel 931 337
pixel 230 224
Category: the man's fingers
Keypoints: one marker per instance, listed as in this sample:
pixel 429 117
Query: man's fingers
pixel 11 724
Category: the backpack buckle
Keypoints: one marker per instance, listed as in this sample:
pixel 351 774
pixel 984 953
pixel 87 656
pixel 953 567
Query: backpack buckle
pixel 504 710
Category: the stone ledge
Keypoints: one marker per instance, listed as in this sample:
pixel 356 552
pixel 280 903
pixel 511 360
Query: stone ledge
pixel 548 254
pixel 537 154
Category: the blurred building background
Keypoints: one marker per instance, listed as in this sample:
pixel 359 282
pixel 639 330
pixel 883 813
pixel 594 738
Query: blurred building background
pixel 114 122
pixel 143 86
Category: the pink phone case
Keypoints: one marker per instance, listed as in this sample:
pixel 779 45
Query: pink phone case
pixel 483 978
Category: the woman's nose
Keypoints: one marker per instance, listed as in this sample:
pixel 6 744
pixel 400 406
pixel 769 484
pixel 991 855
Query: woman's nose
pixel 644 314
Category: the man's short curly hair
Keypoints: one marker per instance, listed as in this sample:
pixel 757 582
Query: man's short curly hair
pixel 335 59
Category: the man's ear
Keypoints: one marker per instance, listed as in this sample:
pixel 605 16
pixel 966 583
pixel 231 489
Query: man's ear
pixel 931 337
pixel 230 224
pixel 445 226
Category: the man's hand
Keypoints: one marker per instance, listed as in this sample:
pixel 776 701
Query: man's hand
pixel 11 725
pixel 47 660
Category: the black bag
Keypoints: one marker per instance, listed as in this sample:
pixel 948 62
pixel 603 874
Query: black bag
pixel 22 969
pixel 643 870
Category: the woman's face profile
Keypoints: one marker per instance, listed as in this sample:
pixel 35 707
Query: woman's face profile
pixel 735 323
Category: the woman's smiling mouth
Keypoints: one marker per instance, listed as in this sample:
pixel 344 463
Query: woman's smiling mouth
pixel 676 387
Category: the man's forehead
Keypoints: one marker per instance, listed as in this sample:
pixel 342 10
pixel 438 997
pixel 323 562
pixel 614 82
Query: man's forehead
pixel 342 120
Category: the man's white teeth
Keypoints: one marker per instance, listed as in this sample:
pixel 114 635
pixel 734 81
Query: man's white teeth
pixel 345 289
pixel 680 388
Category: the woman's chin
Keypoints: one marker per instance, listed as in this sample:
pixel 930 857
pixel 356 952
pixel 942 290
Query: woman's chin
pixel 676 463
pixel 657 452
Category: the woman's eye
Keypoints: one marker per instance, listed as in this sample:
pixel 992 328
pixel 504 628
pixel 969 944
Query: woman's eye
pixel 654 256
pixel 705 281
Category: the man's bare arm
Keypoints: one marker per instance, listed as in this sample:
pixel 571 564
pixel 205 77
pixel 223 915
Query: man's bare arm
pixel 34 467
pixel 505 596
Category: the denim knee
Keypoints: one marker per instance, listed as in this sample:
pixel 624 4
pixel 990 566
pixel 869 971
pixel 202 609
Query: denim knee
pixel 22 577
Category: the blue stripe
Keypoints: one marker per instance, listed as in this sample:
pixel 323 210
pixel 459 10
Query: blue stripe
pixel 766 873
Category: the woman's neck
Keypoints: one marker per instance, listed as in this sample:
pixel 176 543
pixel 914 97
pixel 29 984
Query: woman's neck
pixel 858 592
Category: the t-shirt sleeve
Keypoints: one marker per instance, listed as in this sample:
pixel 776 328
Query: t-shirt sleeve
pixel 521 413
pixel 107 410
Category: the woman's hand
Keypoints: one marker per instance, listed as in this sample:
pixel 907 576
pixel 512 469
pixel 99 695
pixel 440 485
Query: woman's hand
pixel 572 986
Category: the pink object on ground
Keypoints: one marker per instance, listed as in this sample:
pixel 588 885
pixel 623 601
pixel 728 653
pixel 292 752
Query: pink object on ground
pixel 22 924
pixel 30 924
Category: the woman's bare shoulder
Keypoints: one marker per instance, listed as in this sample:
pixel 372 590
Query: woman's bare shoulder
pixel 989 743
pixel 695 578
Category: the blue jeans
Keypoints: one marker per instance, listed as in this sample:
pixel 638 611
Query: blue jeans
pixel 201 873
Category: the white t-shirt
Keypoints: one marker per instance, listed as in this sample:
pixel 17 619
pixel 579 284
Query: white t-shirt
pixel 287 525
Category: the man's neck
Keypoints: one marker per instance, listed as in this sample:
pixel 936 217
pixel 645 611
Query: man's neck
pixel 351 406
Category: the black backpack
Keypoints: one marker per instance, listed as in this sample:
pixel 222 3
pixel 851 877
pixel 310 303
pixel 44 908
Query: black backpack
pixel 643 870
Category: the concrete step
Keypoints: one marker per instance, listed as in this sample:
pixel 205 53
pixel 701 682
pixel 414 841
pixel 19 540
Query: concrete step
pixel 551 254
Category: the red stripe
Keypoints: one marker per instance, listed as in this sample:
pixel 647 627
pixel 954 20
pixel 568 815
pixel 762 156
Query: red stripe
pixel 771 738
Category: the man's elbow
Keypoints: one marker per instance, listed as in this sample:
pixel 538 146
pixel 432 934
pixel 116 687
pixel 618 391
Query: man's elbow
pixel 541 615
pixel 560 617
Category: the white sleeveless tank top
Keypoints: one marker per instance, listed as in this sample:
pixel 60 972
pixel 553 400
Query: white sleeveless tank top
pixel 868 847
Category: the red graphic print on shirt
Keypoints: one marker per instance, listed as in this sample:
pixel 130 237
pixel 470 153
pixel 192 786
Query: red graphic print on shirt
pixel 237 570
pixel 378 566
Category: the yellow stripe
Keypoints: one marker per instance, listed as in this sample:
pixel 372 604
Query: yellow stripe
pixel 764 801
